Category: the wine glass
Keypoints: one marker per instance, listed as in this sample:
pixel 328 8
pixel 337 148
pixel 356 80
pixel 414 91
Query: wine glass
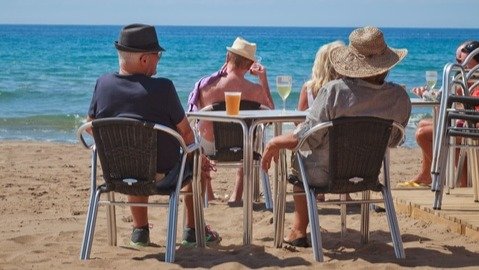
pixel 431 79
pixel 283 85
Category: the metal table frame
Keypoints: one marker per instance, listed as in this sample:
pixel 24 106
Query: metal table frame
pixel 257 117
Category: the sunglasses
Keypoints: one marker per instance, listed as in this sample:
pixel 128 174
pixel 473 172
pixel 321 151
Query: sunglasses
pixel 470 47
pixel 154 53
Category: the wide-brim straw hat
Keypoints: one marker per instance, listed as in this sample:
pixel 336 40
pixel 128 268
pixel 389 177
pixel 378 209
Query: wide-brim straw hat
pixel 366 55
pixel 243 48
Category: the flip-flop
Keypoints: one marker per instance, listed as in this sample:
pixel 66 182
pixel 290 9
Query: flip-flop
pixel 298 242
pixel 412 184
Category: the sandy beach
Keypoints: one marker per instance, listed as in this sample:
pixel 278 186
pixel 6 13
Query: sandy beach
pixel 43 201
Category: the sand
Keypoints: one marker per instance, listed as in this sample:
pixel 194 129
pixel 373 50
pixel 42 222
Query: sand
pixel 43 201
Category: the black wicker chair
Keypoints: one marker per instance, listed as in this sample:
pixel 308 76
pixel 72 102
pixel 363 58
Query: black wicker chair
pixel 358 148
pixel 127 149
pixel 229 146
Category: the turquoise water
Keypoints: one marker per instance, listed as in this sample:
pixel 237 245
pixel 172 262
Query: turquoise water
pixel 48 72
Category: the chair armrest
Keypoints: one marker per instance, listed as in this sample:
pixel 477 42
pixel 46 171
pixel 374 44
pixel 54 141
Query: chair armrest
pixel 193 147
pixel 80 132
pixel 317 127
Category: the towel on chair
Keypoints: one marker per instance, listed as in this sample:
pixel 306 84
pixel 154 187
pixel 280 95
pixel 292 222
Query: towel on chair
pixel 199 85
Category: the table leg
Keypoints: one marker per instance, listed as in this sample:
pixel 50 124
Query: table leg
pixel 279 194
pixel 247 185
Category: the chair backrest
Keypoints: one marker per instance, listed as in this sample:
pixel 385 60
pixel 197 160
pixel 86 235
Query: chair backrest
pixel 357 147
pixel 229 136
pixel 127 149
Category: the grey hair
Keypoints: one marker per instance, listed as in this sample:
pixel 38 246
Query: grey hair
pixel 125 58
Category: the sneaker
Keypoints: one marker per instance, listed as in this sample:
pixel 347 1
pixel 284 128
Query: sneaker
pixel 189 236
pixel 140 236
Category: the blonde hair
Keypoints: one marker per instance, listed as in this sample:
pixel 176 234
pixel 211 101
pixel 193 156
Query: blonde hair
pixel 323 71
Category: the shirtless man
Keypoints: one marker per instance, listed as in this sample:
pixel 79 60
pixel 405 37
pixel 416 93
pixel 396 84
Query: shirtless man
pixel 240 59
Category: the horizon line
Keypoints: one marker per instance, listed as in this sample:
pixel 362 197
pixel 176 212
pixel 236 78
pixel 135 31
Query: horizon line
pixel 232 26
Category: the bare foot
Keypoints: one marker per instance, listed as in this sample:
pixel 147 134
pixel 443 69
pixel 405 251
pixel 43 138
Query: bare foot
pixel 294 234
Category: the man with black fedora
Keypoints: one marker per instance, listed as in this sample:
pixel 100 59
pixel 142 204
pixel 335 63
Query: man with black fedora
pixel 362 91
pixel 132 92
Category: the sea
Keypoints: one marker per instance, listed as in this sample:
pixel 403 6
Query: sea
pixel 48 72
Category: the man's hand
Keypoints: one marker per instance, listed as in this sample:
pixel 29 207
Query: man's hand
pixel 258 70
pixel 419 91
pixel 270 152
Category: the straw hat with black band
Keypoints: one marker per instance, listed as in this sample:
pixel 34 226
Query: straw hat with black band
pixel 366 55
pixel 243 48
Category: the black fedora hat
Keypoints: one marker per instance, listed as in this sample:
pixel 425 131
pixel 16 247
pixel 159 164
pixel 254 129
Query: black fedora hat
pixel 138 38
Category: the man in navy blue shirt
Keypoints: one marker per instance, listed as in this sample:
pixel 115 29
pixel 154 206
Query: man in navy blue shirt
pixel 132 92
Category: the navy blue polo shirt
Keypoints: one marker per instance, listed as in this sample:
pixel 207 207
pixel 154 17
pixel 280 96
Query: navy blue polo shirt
pixel 144 98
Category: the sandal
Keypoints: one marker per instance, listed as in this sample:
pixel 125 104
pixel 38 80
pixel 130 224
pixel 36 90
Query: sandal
pixel 412 184
pixel 298 242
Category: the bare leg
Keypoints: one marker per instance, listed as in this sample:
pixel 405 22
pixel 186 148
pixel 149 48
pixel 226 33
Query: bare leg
pixel 190 215
pixel 206 176
pixel 237 193
pixel 300 218
pixel 424 140
pixel 139 214
pixel 206 168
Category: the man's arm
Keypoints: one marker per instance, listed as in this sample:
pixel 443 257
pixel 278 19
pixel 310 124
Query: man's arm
pixel 184 129
pixel 89 119
pixel 271 151
pixel 260 71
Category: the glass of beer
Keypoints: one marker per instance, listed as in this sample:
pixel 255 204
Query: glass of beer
pixel 232 100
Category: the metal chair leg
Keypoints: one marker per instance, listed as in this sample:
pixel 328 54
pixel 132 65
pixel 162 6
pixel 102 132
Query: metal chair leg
pixel 256 176
pixel 280 202
pixel 88 236
pixel 474 172
pixel 197 203
pixel 111 220
pixel 343 211
pixel 460 165
pixel 366 195
pixel 393 224
pixel 266 190
pixel 172 222
pixel 86 232
pixel 316 240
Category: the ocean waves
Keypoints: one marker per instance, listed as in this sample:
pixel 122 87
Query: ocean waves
pixel 61 128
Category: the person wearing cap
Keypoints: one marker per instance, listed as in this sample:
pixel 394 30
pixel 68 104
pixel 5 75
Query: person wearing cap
pixel 133 92
pixel 425 127
pixel 362 91
pixel 240 59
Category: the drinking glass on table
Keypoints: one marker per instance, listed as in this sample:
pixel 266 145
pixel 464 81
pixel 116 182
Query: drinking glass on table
pixel 431 80
pixel 283 85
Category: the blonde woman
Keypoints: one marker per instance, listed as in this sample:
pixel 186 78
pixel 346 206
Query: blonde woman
pixel 321 73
